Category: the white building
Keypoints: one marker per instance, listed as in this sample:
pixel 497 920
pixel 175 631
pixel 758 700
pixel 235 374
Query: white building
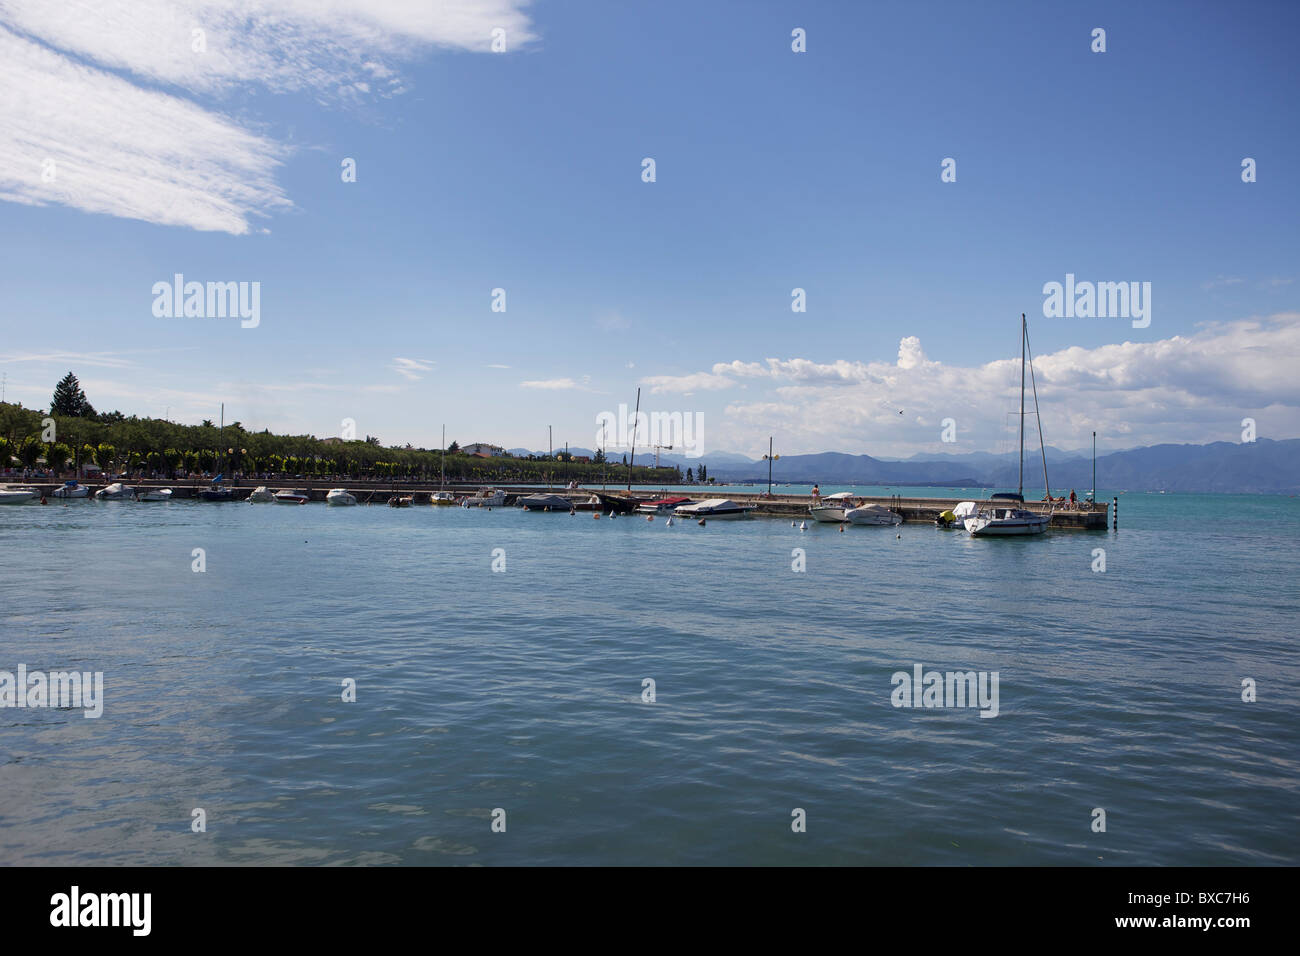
pixel 482 448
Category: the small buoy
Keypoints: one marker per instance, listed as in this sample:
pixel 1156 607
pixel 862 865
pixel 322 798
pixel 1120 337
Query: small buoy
pixel 899 537
pixel 649 517
pixel 803 525
pixel 612 516
pixel 701 522
pixel 841 529
pixel 572 512
pixel 792 524
pixel 668 523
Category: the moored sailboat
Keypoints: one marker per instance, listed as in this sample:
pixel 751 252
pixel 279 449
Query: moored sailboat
pixel 1007 514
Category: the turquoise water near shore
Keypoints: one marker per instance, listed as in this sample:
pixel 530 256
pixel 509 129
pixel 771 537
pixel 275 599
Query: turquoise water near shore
pixel 522 690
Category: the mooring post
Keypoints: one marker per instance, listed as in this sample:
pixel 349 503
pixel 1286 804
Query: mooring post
pixel 1114 503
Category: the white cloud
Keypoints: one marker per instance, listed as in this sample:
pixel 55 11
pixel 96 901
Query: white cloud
pixel 411 368
pixel 1186 388
pixel 552 384
pixel 283 45
pixel 81 137
pixel 92 113
pixel 699 381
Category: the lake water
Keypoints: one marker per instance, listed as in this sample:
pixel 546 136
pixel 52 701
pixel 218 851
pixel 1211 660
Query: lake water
pixel 523 690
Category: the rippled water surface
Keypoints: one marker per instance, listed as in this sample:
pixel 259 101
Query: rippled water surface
pixel 522 690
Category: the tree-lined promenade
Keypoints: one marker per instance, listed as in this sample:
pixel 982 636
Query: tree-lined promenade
pixel 134 446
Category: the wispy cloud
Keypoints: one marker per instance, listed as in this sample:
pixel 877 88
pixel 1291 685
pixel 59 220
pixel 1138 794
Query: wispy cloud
pixel 115 359
pixel 77 136
pixel 552 384
pixel 411 368
pixel 1220 281
pixel 93 113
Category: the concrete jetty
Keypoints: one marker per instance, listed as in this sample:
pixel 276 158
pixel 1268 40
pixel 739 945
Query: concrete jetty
pixel 1083 517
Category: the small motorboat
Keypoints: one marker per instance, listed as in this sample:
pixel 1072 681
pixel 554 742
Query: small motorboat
pixel 484 498
pixel 663 506
pixel 288 497
pixel 399 501
pixel 261 495
pixel 619 504
pixel 115 492
pixel 442 499
pixel 873 514
pixel 956 516
pixel 833 508
pixel 722 509
pixel 153 494
pixel 217 491
pixel 72 489
pixel 544 503
pixel 17 494
pixel 340 497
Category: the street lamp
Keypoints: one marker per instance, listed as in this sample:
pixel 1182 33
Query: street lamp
pixel 769 458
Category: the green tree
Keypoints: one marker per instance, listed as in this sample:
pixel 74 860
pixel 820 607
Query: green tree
pixel 57 456
pixel 105 455
pixel 453 448
pixel 30 450
pixel 70 400
pixel 6 452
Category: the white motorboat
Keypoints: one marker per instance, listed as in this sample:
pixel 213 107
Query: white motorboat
pixel 115 492
pixel 72 489
pixel 544 503
pixel 153 494
pixel 442 498
pixel 956 517
pixel 873 515
pixel 16 495
pixel 485 498
pixel 720 509
pixel 340 498
pixel 833 508
pixel 1006 513
pixel 288 497
pixel 261 495
pixel 663 506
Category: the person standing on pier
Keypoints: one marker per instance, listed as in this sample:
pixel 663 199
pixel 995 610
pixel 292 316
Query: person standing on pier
pixel 816 494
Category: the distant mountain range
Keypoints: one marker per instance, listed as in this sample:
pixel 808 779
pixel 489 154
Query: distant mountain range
pixel 1260 467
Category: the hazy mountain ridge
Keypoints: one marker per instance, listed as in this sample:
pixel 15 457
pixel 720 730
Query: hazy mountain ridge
pixel 1261 467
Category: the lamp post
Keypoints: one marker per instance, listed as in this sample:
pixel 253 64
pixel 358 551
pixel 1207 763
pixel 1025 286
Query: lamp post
pixel 1094 467
pixel 769 458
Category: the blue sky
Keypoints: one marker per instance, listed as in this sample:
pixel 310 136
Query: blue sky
pixel 775 170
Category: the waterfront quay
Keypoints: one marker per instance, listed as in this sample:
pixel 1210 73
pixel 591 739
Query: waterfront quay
pixel 1082 517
